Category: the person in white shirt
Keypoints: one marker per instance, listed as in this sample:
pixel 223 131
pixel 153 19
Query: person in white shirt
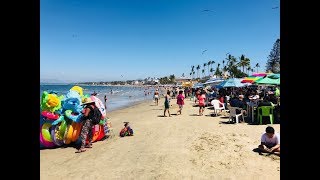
pixel 270 142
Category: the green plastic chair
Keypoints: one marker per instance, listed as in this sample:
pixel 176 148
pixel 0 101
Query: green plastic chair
pixel 265 111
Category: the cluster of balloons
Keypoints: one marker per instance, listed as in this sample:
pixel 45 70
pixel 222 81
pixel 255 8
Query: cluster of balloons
pixel 60 118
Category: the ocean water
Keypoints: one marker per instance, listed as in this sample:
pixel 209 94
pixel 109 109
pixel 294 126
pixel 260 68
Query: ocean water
pixel 119 98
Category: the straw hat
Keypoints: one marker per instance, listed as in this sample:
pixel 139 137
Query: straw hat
pixel 87 101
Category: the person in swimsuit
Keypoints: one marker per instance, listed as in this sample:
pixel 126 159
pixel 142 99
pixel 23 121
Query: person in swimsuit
pixel 156 96
pixel 167 104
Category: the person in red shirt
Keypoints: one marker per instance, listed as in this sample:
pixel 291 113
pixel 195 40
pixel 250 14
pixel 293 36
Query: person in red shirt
pixel 180 101
pixel 201 99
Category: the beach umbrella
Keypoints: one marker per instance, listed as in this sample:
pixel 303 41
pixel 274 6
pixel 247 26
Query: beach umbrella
pixel 261 74
pixel 251 79
pixel 232 82
pixel 273 79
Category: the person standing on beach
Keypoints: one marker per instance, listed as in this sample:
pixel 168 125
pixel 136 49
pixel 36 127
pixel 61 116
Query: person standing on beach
pixel 87 125
pixel 105 101
pixel 156 96
pixel 180 101
pixel 270 142
pixel 167 104
pixel 201 99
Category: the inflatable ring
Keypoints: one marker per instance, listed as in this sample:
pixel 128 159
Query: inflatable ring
pixel 45 132
pixel 62 129
pixel 54 135
pixel 68 135
pixel 76 131
pixel 50 115
pixel 45 143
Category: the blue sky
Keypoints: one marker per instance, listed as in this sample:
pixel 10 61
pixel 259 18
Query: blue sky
pixel 108 40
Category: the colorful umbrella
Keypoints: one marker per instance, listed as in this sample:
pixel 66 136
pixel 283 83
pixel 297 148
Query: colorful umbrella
pixel 270 79
pixel 261 74
pixel 250 79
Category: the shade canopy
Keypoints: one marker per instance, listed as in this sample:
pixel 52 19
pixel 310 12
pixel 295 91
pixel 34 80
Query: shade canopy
pixel 273 79
pixel 232 82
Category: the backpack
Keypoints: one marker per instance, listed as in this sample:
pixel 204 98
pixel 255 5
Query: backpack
pixel 95 115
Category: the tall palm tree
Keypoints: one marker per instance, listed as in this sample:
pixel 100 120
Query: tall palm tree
pixel 204 67
pixel 242 62
pixel 193 74
pixel 198 68
pixel 209 63
pixel 248 69
pixel 192 68
pixel 212 62
pixel 203 74
pixel 257 66
pixel 190 75
pixel 211 70
pixel 247 62
pixel 223 64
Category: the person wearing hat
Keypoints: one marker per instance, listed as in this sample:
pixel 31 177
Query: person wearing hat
pixel 87 125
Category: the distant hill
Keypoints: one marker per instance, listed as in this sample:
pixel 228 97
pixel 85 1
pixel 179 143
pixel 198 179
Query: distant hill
pixel 52 81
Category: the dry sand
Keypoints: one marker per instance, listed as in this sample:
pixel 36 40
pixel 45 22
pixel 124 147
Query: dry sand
pixel 183 146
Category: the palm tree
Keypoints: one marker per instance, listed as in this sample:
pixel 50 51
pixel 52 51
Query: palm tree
pixel 242 62
pixel 212 62
pixel 193 73
pixel 203 74
pixel 223 65
pixel 257 66
pixel 211 70
pixel 247 62
pixel 204 67
pixel 172 78
pixel 209 63
pixel 190 74
pixel 248 69
pixel 198 68
pixel 192 68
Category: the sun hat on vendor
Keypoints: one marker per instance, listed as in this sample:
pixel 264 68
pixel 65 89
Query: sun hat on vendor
pixel 87 101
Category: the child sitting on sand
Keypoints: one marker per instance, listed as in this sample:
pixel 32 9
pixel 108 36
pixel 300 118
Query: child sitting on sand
pixel 270 142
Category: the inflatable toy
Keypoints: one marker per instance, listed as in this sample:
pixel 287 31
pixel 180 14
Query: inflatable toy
pixel 78 89
pixel 50 115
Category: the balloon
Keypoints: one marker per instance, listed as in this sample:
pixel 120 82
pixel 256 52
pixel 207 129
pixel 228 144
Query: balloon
pixel 78 89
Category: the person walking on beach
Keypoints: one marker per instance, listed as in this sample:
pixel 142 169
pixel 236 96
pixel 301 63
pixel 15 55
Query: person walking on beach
pixel 180 101
pixel 156 96
pixel 87 125
pixel 167 104
pixel 201 99
pixel 270 142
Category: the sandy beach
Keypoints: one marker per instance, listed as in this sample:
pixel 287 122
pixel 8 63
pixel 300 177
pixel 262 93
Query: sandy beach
pixel 184 146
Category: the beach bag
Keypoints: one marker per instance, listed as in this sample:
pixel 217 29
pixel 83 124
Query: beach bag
pixel 95 115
